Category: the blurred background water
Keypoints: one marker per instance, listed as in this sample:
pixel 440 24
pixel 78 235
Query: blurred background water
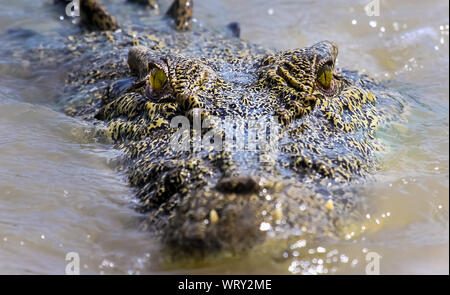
pixel 59 194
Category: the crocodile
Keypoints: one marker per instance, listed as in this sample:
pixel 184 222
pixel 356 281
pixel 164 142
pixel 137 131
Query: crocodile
pixel 226 144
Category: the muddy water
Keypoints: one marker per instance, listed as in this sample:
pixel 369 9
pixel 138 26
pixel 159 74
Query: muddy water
pixel 58 194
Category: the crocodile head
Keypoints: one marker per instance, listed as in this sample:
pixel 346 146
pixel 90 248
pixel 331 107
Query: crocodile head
pixel 227 146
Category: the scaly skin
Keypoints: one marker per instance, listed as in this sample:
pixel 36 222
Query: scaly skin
pixel 95 16
pixel 181 12
pixel 205 201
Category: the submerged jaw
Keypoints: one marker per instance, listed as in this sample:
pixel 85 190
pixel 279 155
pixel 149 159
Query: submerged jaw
pixel 211 221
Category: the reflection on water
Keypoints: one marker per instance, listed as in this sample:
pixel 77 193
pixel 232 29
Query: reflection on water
pixel 59 194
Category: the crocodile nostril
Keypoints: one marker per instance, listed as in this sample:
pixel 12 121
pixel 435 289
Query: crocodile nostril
pixel 239 185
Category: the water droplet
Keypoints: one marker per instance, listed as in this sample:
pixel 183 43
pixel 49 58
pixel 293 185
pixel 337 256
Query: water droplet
pixel 321 250
pixel 344 258
pixel 264 226
pixel 332 253
pixel 395 26
pixel 299 244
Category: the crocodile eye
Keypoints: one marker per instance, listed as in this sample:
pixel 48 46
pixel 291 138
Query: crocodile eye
pixel 325 75
pixel 157 79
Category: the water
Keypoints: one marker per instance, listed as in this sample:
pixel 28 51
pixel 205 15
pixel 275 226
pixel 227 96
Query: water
pixel 59 194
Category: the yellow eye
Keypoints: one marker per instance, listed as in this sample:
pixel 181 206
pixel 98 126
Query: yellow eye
pixel 157 79
pixel 325 75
